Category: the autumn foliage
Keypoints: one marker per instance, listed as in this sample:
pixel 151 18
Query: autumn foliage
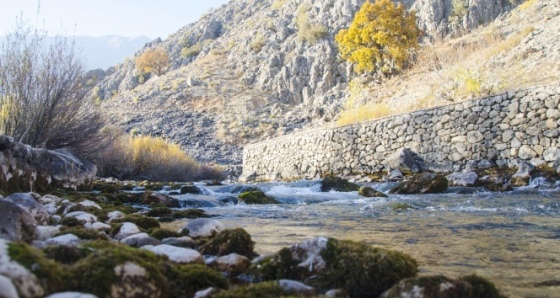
pixel 154 61
pixel 380 37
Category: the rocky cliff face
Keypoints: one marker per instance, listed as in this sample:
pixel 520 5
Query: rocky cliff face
pixel 255 69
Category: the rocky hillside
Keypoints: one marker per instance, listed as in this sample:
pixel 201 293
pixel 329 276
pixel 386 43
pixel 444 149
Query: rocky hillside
pixel 255 69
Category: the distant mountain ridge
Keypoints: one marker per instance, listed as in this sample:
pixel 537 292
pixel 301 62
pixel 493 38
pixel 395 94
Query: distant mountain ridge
pixel 106 51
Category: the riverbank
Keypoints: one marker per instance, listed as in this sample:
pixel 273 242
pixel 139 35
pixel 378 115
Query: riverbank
pixel 509 237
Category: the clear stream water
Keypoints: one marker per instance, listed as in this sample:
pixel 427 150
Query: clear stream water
pixel 511 238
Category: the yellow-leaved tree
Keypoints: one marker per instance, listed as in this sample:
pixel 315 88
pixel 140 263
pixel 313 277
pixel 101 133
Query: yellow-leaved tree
pixel 380 38
pixel 154 61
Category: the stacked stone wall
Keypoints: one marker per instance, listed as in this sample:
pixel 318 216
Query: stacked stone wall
pixel 498 131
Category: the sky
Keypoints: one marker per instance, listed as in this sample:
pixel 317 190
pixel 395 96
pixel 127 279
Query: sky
pixel 129 18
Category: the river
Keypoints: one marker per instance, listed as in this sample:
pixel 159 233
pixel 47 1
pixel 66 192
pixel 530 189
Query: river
pixel 511 238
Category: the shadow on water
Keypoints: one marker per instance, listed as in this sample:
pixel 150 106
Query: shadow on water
pixel 512 238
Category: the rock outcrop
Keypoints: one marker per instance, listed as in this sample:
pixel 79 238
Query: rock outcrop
pixel 24 168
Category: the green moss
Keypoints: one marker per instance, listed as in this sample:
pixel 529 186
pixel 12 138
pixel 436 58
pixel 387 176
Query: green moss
pixel 230 241
pixel 95 273
pixel 144 222
pixel 338 184
pixel 362 270
pixel 115 228
pixel 265 289
pixel 190 213
pixel 280 265
pixel 160 211
pixel 163 233
pixel 65 254
pixel 71 222
pixel 257 197
pixel 83 234
pixel 48 272
pixel 401 207
pixel 185 280
pixel 438 185
pixel 481 287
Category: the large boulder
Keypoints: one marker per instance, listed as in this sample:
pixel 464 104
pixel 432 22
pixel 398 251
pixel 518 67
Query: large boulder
pixel 139 240
pixel 161 199
pixel 463 179
pixel 16 223
pixel 29 202
pixel 203 227
pixel 127 229
pixel 338 184
pixel 403 159
pixel 422 183
pixel 25 168
pixel 7 288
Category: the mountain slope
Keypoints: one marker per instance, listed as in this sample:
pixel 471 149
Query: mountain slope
pixel 257 69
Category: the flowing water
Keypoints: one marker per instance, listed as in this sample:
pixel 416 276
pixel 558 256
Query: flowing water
pixel 511 238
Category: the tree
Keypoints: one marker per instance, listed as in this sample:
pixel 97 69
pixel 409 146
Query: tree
pixel 42 101
pixel 380 37
pixel 153 61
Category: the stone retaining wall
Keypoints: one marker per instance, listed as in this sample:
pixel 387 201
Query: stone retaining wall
pixel 23 168
pixel 493 131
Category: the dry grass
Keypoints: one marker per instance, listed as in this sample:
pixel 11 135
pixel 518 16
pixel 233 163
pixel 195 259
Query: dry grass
pixel 365 112
pixel 152 158
pixel 527 4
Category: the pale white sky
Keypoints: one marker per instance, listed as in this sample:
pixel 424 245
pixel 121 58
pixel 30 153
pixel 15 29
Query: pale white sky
pixel 130 18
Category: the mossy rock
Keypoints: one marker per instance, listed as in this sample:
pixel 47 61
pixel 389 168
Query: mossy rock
pixel 422 183
pixel 144 222
pixel 264 289
pixel 49 273
pixel 481 287
pixel 362 270
pixel 338 184
pixel 244 188
pixel 97 274
pixel 190 213
pixel 159 211
pixel 83 233
pixel 190 189
pixel 257 198
pixel 163 233
pixel 471 286
pixel 368 192
pixel 186 280
pixel 230 241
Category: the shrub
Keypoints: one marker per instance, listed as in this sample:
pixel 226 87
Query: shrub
pixel 192 51
pixel 380 37
pixel 308 32
pixel 147 158
pixel 42 99
pixel 276 5
pixel 153 61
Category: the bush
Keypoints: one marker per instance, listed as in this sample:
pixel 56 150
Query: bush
pixel 380 37
pixel 153 61
pixel 147 158
pixel 308 32
pixel 44 104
